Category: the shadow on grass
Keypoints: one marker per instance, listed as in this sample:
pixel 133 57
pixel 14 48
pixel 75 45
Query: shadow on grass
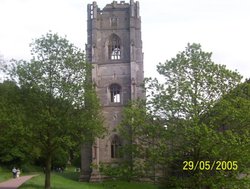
pixel 27 185
pixel 35 186
pixel 74 176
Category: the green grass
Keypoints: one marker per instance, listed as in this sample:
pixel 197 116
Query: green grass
pixel 5 174
pixel 69 180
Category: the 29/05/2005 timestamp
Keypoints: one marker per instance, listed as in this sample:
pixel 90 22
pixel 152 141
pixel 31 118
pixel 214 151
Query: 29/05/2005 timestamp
pixel 210 165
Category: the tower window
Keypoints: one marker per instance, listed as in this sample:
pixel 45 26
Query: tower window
pixel 115 147
pixel 115 93
pixel 114 21
pixel 114 47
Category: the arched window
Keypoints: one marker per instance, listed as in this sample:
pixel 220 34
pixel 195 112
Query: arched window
pixel 115 147
pixel 114 47
pixel 115 93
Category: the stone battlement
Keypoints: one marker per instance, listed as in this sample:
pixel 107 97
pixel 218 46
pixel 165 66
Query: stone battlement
pixel 115 4
pixel 94 10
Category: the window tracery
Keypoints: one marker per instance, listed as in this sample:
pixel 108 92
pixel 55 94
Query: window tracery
pixel 114 47
pixel 115 146
pixel 115 93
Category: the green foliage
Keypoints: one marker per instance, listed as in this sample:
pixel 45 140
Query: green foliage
pixel 5 174
pixel 30 168
pixel 141 148
pixel 75 158
pixel 118 171
pixel 2 64
pixel 61 107
pixel 193 83
pixel 13 133
pixel 231 115
pixel 232 111
pixel 60 159
pixel 193 104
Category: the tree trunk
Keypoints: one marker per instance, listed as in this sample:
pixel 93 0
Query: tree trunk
pixel 48 171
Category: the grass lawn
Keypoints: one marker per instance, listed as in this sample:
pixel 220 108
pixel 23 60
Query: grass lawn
pixel 69 180
pixel 5 174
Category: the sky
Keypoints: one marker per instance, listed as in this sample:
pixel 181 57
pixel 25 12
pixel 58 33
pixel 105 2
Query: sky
pixel 220 26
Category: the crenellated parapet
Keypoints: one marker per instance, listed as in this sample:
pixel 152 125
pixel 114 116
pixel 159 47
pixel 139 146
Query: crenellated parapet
pixel 94 12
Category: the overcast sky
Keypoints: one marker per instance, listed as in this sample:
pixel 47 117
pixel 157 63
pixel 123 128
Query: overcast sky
pixel 220 26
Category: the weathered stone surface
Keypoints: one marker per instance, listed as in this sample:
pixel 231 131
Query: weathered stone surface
pixel 115 50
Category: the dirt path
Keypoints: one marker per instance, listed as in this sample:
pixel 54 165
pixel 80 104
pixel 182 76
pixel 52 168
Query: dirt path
pixel 15 183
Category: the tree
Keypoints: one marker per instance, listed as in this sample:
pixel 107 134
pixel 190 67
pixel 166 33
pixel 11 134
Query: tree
pixel 141 148
pixel 193 85
pixel 62 107
pixel 134 116
pixel 2 63
pixel 232 110
pixel 12 126
pixel 231 116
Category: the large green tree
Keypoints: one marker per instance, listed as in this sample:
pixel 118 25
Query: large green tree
pixel 192 85
pixel 231 116
pixel 143 135
pixel 61 104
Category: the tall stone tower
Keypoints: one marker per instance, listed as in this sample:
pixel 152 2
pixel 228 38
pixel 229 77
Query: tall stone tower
pixel 114 49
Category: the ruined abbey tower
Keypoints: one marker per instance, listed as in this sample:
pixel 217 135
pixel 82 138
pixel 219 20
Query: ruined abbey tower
pixel 114 48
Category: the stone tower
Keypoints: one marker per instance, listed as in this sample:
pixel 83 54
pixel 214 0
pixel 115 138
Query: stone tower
pixel 114 48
